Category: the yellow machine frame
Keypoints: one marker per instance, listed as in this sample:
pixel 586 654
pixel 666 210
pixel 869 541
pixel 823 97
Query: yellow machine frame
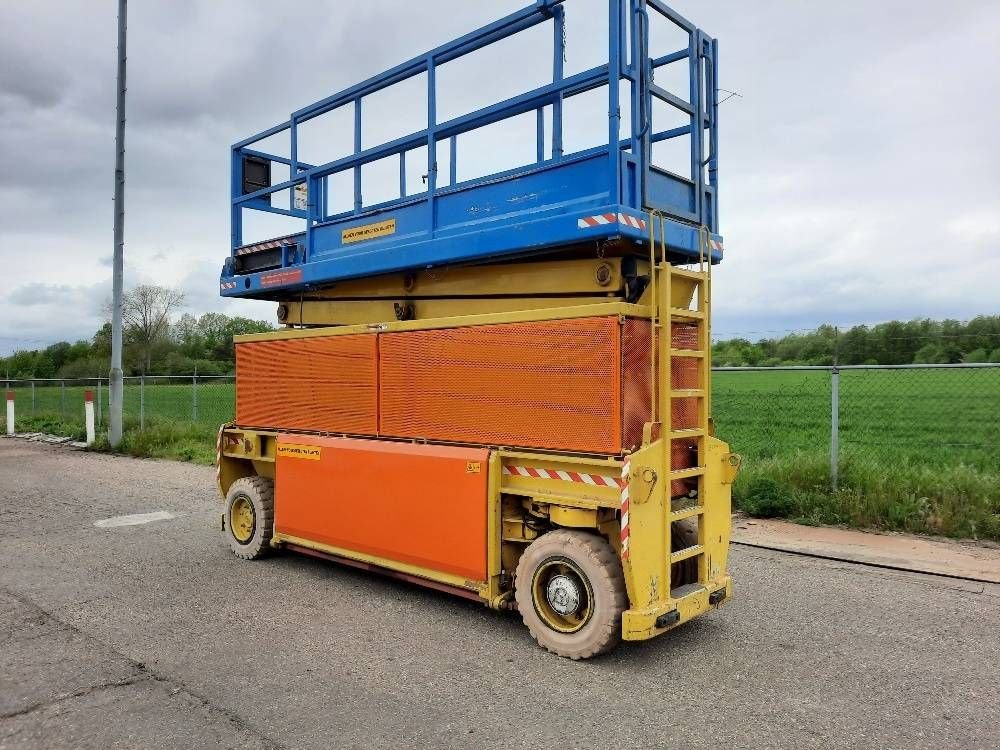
pixel 582 289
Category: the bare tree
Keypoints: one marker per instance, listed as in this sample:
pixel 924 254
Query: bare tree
pixel 146 312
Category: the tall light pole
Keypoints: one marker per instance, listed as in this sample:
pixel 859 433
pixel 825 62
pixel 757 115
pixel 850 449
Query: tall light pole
pixel 115 381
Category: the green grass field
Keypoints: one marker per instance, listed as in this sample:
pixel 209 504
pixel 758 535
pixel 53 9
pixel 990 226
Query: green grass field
pixel 919 449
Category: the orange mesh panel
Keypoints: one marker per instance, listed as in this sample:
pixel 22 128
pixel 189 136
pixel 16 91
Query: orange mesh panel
pixel 324 384
pixel 552 384
pixel 636 380
pixel 636 391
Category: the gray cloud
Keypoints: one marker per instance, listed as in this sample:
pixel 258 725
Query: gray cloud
pixel 851 192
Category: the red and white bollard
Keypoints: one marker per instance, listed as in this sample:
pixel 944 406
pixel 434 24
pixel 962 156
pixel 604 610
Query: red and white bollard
pixel 88 409
pixel 10 412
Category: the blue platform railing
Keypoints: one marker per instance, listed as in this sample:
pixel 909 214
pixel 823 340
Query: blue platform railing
pixel 540 205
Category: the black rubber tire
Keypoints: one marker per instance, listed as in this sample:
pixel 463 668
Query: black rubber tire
pixel 260 492
pixel 683 534
pixel 593 556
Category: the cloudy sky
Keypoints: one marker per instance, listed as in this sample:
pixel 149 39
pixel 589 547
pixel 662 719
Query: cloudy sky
pixel 860 166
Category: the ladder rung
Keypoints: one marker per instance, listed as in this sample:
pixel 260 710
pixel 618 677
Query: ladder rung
pixel 681 434
pixel 683 513
pixel 695 471
pixel 686 274
pixel 684 554
pixel 688 589
pixel 688 393
pixel 687 353
pixel 683 314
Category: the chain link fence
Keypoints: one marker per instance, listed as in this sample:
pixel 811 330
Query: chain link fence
pixel 57 404
pixel 888 415
pixel 930 415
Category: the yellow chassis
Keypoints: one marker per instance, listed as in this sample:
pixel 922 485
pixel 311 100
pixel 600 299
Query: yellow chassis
pixel 655 605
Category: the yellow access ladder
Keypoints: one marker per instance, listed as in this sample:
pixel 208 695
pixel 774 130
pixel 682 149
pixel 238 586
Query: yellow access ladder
pixel 683 296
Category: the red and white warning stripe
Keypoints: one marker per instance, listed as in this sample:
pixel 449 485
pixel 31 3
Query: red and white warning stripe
pixel 716 244
pixel 290 239
pixel 218 458
pixel 601 219
pixel 594 480
pixel 626 470
pixel 224 285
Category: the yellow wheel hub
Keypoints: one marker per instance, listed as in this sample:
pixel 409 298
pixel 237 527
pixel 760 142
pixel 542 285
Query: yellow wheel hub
pixel 562 595
pixel 242 520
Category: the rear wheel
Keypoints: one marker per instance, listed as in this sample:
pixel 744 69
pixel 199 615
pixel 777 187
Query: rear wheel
pixel 684 534
pixel 249 517
pixel 570 591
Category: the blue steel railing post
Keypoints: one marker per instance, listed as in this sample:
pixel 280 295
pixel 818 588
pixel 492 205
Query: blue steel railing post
pixel 431 142
pixel 453 164
pixel 614 108
pixel 558 61
pixel 236 189
pixel 697 122
pixel 293 157
pixel 357 150
pixel 540 134
pixel 636 69
pixel 713 136
pixel 646 96
pixel 402 174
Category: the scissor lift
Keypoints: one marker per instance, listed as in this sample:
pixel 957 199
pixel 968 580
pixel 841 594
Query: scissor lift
pixel 499 387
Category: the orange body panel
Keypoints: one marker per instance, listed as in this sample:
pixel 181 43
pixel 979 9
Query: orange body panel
pixel 548 384
pixel 423 505
pixel 327 384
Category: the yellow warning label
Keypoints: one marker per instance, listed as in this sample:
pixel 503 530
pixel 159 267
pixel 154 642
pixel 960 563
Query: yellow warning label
pixel 473 467
pixel 293 450
pixel 368 231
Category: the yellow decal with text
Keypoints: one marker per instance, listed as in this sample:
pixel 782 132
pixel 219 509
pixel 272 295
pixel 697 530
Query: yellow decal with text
pixel 293 450
pixel 473 467
pixel 368 231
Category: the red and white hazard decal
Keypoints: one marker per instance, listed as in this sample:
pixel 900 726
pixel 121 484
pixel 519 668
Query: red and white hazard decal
pixel 626 470
pixel 594 480
pixel 601 219
pixel 257 247
pixel 716 244
pixel 224 285
pixel 218 457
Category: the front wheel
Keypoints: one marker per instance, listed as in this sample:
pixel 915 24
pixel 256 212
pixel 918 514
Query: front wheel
pixel 570 591
pixel 249 517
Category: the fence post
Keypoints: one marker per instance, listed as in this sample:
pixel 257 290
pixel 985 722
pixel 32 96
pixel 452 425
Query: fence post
pixel 32 398
pixel 88 414
pixel 834 428
pixel 142 402
pixel 194 396
pixel 62 399
pixel 98 401
pixel 10 411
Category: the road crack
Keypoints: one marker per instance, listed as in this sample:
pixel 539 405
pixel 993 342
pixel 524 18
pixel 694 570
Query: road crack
pixel 141 673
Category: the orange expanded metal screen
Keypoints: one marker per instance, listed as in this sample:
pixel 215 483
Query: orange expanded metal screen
pixel 577 385
pixel 637 385
pixel 636 380
pixel 549 384
pixel 325 384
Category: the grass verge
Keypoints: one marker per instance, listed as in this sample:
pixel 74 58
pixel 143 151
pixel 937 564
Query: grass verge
pixel 161 438
pixel 952 500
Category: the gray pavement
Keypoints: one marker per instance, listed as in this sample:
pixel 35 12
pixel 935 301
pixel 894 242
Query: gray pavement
pixel 154 636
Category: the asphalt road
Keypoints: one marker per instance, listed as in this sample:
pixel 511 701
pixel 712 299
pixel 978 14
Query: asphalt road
pixel 154 636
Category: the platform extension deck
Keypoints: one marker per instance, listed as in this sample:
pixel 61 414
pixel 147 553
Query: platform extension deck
pixel 566 203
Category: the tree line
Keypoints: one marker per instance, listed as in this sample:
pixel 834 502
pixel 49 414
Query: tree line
pixel 160 342
pixel 897 342
pixel 157 341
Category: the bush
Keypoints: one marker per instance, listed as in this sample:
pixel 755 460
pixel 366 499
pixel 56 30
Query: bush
pixel 765 498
